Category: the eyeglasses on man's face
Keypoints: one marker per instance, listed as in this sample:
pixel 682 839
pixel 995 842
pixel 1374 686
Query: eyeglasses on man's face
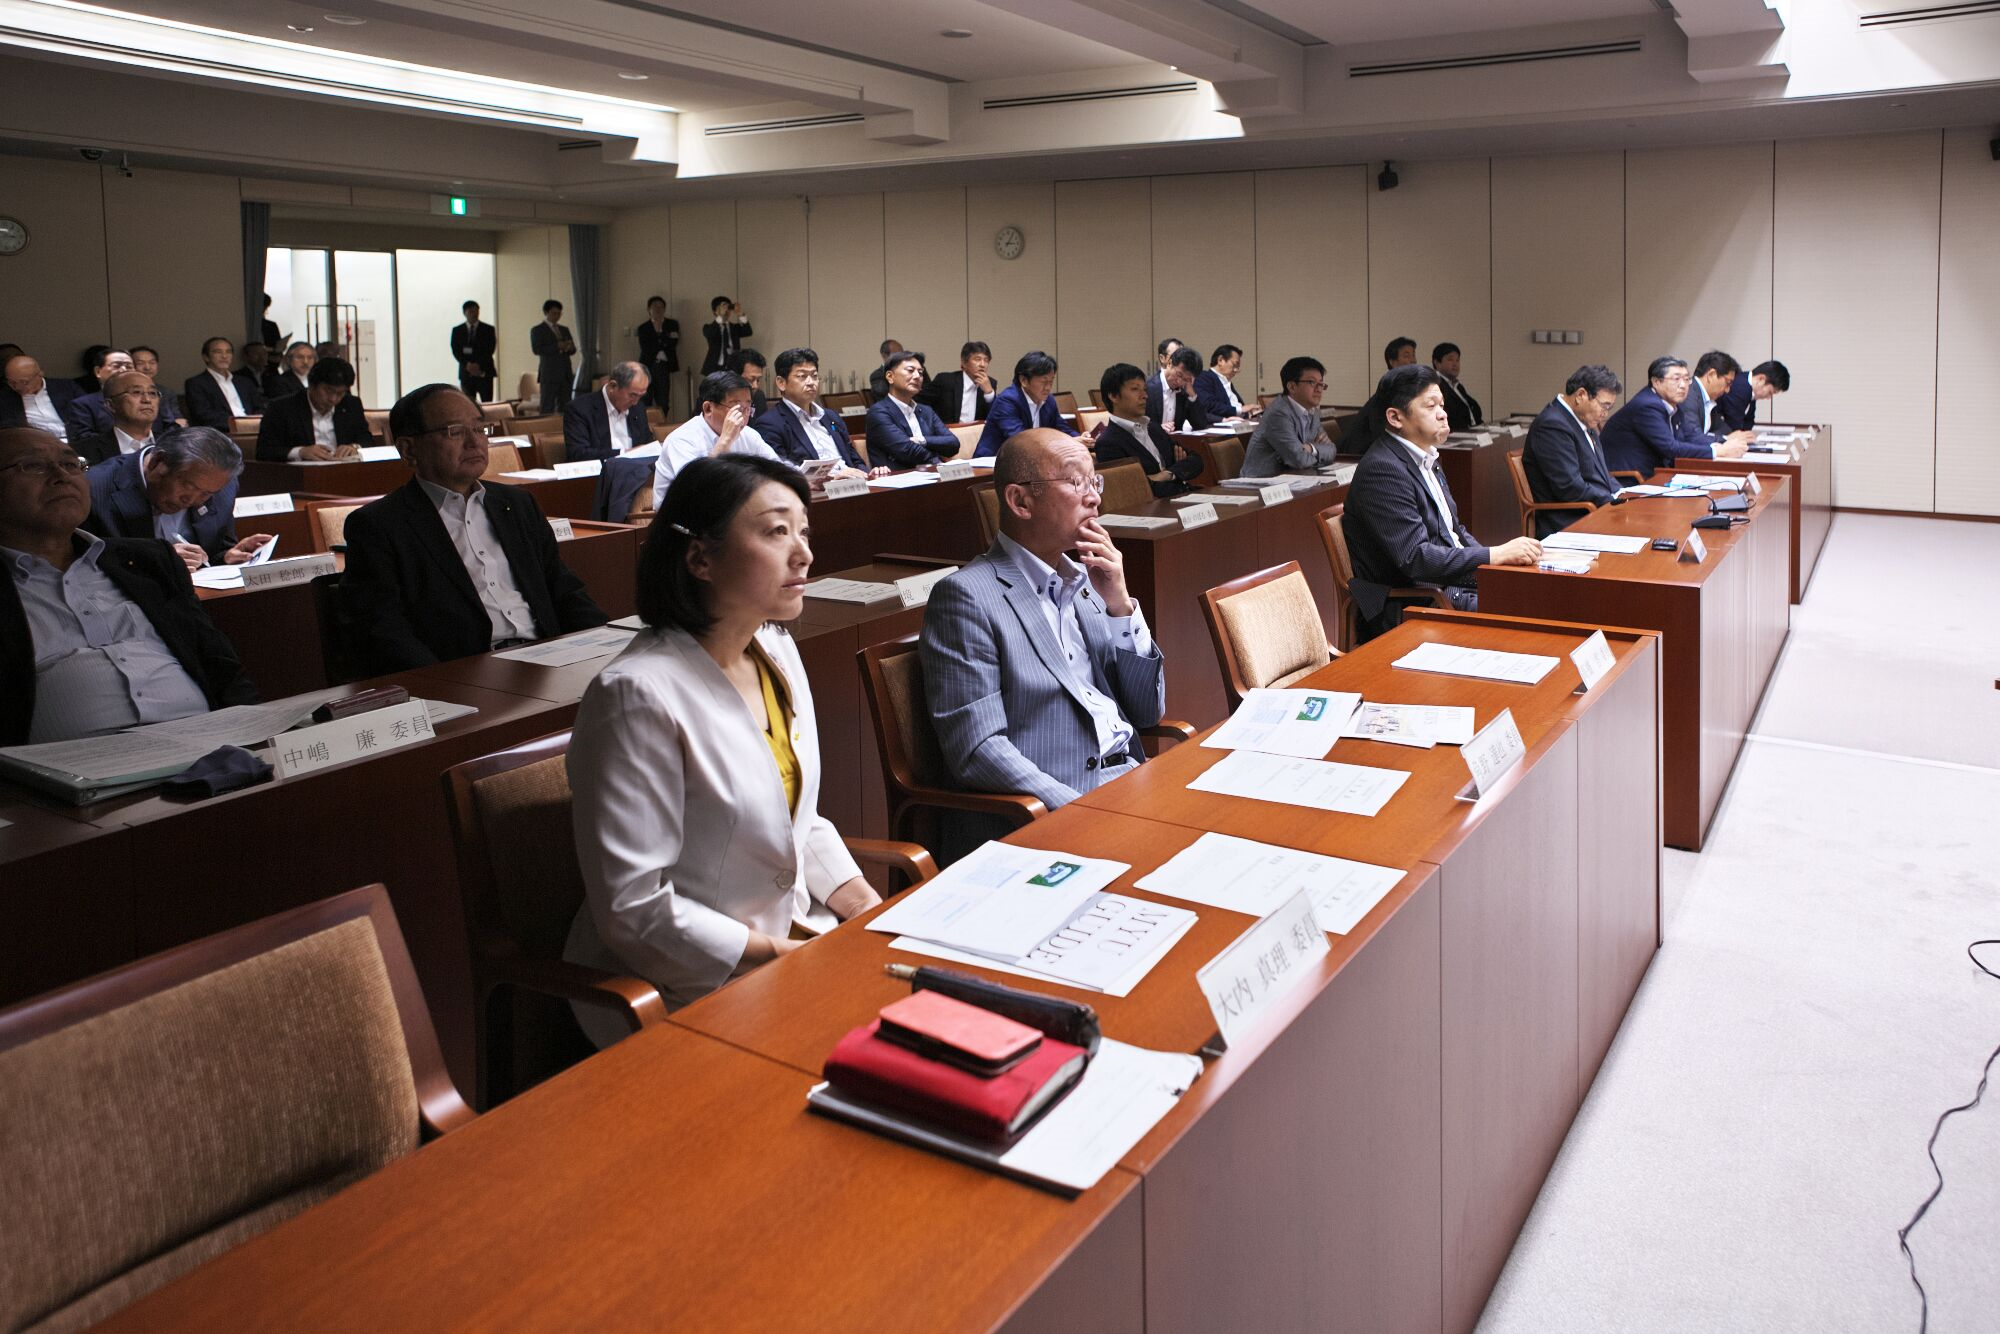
pixel 44 467
pixel 1085 482
pixel 1311 384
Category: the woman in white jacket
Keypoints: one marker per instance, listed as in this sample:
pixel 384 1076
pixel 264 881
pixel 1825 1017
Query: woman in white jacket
pixel 694 761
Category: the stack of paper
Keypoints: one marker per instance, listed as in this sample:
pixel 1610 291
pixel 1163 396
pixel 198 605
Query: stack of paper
pixel 1257 878
pixel 1305 723
pixel 1321 785
pixel 1566 562
pixel 1138 521
pixel 533 475
pixel 1214 498
pixel 1570 540
pixel 1488 664
pixel 1047 914
pixel 602 642
pixel 1419 725
pixel 849 590
pixel 897 481
pixel 1644 489
pixel 1694 481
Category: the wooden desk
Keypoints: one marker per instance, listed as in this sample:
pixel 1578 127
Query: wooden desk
pixel 352 478
pixel 1724 622
pixel 1483 487
pixel 675 1182
pixel 1812 488
pixel 932 520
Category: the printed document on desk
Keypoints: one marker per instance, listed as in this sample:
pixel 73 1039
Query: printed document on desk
pixel 850 590
pixel 1109 947
pixel 1257 878
pixel 1694 481
pixel 1000 901
pixel 1305 723
pixel 897 481
pixel 1487 664
pixel 566 650
pixel 1321 785
pixel 1419 725
pixel 1568 540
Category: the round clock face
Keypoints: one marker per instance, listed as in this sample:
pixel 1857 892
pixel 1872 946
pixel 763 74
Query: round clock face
pixel 1008 243
pixel 13 237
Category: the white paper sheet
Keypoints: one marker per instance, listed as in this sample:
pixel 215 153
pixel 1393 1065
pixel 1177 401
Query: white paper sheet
pixel 1137 521
pixel 1699 482
pixel 1305 723
pixel 1123 1094
pixel 1487 664
pixel 1423 725
pixel 602 642
pixel 1568 540
pixel 1257 878
pixel 897 481
pixel 1567 562
pixel 218 576
pixel 247 724
pixel 533 475
pixel 1000 901
pixel 1321 785
pixel 1129 934
pixel 1643 490
pixel 850 590
pixel 1213 498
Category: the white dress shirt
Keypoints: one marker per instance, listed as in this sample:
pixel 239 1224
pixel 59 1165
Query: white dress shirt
pixel 1596 445
pixel 1057 590
pixel 817 434
pixel 1139 432
pixel 694 439
pixel 621 428
pixel 41 412
pixel 129 444
pixel 323 432
pixel 683 835
pixel 1427 467
pixel 229 392
pixel 1229 391
pixel 968 398
pixel 472 535
pixel 909 411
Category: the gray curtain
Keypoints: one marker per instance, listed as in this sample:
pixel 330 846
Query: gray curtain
pixel 256 239
pixel 586 247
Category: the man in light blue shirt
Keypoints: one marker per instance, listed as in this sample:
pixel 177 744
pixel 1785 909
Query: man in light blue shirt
pixel 721 425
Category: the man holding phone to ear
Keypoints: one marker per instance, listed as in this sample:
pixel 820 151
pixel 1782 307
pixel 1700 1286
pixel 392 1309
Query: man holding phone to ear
pixel 1037 661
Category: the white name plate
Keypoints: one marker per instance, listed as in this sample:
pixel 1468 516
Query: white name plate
pixel 1753 486
pixel 1693 551
pixel 853 411
pixel 344 739
pixel 1490 754
pixel 379 454
pixel 1242 983
pixel 1275 494
pixel 248 505
pixel 1194 516
pixel 915 591
pixel 279 573
pixel 955 470
pixel 581 468
pixel 1593 659
pixel 840 488
pixel 562 529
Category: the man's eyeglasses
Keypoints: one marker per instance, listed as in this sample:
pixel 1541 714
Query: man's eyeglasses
pixel 148 394
pixel 43 467
pixel 457 432
pixel 1087 482
pixel 1310 384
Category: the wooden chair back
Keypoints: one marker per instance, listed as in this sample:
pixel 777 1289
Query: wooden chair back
pixel 1066 402
pixel 1097 400
pixel 526 389
pixel 165 1112
pixel 326 520
pixel 502 458
pixel 1125 487
pixel 1524 496
pixel 496 412
pixel 1226 457
pixel 378 424
pixel 1088 420
pixel 968 434
pixel 550 448
pixel 1266 630
pixel 243 430
pixel 1347 617
pixel 986 510
pixel 536 425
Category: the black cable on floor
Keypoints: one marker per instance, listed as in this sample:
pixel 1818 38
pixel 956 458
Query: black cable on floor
pixel 1930 1151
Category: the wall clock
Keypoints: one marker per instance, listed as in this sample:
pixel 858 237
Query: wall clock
pixel 13 236
pixel 1008 243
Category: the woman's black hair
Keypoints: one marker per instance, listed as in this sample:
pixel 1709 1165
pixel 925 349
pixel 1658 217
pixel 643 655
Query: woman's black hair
pixel 701 503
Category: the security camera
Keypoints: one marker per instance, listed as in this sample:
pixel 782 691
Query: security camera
pixel 1387 180
pixel 91 154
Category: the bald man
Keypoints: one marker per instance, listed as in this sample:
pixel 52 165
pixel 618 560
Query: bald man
pixel 134 404
pixel 1037 660
pixel 96 634
pixel 32 399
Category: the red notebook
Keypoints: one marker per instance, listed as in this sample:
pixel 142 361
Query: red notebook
pixel 996 1108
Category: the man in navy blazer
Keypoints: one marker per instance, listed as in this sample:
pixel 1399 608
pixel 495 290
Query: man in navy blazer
pixel 799 427
pixel 1131 434
pixel 146 361
pixel 1185 412
pixel 32 399
pixel 1029 401
pixel 88 414
pixel 208 395
pixel 409 592
pixel 1562 458
pixel 611 421
pixel 966 394
pixel 1696 421
pixel 1640 436
pixel 181 491
pixel 1736 410
pixel 1215 389
pixel 903 431
pixel 1402 525
pixel 1039 670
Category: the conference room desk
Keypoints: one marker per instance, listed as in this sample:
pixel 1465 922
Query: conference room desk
pixel 560 498
pixel 275 631
pixel 1483 487
pixel 290 527
pixel 1362 1160
pixel 935 519
pixel 1812 487
pixel 1724 622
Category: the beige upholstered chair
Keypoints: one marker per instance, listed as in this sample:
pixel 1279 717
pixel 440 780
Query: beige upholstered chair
pixel 1524 496
pixel 1226 457
pixel 1125 488
pixel 1347 630
pixel 968 434
pixel 986 509
pixel 496 412
pixel 1266 629
pixel 326 520
pixel 160 1114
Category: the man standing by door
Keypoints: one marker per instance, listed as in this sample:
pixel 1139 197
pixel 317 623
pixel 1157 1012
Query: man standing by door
pixel 472 347
pixel 553 347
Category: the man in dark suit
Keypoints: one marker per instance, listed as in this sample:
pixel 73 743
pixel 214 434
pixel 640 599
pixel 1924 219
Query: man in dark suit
pixel 472 347
pixel 1696 420
pixel 268 332
pixel 903 432
pixel 1562 457
pixel 799 427
pixel 146 361
pixel 1131 434
pixel 1402 524
pixel 878 379
pixel 1459 404
pixel 134 405
pixel 325 422
pixel 1399 352
pixel 1028 402
pixel 181 491
pixel 553 347
pixel 1640 437
pixel 660 351
pixel 963 395
pixel 1215 388
pixel 290 376
pixel 611 421
pixel 95 635
pixel 216 396
pixel 32 399
pixel 1736 410
pixel 749 363
pixel 449 566
pixel 88 414
pixel 1170 400
pixel 725 332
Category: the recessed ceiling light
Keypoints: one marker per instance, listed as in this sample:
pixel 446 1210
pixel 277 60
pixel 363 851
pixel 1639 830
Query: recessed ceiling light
pixel 344 20
pixel 633 75
pixel 956 32
pixel 1898 105
pixel 299 27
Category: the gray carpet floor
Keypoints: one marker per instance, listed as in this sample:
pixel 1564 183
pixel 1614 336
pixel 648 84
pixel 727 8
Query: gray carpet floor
pixel 1756 1136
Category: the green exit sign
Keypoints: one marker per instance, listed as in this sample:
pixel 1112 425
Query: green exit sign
pixel 454 206
pixel 458 206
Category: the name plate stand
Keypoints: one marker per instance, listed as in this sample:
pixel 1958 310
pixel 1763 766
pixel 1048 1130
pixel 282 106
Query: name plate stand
pixel 379 454
pixel 245 506
pixel 840 488
pixel 1194 516
pixel 1693 551
pixel 580 468
pixel 1593 659
pixel 1275 494
pixel 279 573
pixel 1490 754
pixel 562 529
pixel 1244 981
pixel 915 591
pixel 955 470
pixel 345 739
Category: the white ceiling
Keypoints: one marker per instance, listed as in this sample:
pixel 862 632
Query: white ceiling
pixel 1345 24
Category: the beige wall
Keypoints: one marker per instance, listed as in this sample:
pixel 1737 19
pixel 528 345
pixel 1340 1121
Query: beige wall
pixel 1429 272
pixel 531 266
pixel 1968 337
pixel 1558 263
